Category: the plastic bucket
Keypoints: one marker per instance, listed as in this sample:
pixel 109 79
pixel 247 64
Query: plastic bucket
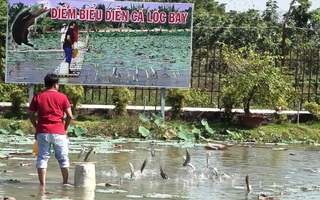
pixel 85 174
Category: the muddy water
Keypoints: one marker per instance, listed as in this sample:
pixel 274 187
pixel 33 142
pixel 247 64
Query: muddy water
pixel 284 174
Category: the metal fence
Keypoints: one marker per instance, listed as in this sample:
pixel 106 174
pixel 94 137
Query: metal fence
pixel 206 69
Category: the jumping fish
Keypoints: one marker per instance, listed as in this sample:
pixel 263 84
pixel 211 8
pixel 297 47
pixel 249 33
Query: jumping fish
pixel 163 173
pixel 207 158
pixel 248 183
pixel 189 164
pixel 187 159
pixel 153 153
pixel 24 20
pixel 80 155
pixel 132 175
pixel 89 154
pixel 144 164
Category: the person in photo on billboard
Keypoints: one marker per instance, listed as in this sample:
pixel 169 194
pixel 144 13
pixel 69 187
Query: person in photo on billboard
pixel 68 44
pixel 76 36
pixel 63 33
pixel 51 128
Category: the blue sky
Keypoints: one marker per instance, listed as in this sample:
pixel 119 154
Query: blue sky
pixel 244 5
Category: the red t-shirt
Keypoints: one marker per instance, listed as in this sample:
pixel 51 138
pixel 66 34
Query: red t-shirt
pixel 50 105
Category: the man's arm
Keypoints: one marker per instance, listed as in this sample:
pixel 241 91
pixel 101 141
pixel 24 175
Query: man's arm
pixel 33 122
pixel 68 118
pixel 32 119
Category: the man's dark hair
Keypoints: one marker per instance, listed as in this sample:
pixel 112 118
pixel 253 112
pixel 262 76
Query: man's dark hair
pixel 71 23
pixel 50 80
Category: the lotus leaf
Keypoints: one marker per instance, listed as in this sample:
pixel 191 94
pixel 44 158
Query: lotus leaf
pixel 3 131
pixel 159 122
pixel 207 127
pixel 19 132
pixel 76 131
pixel 183 134
pixel 144 132
pixel 144 117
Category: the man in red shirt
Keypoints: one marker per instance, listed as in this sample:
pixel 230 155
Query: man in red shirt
pixel 51 129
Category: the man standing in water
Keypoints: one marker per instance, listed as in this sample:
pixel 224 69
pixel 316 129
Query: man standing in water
pixel 50 127
pixel 68 44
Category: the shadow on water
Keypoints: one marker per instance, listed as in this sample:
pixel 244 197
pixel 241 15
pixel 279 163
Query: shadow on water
pixel 291 172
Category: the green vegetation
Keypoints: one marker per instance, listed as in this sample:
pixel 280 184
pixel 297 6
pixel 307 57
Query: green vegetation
pixel 252 77
pixel 152 126
pixel 121 97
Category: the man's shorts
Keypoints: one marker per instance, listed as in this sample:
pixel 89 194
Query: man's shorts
pixel 60 145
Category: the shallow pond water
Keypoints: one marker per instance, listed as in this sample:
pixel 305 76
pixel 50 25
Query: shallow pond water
pixel 285 172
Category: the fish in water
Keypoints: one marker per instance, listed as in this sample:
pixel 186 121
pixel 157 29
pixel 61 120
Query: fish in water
pixel 132 175
pixel 163 173
pixel 20 27
pixel 187 159
pixel 89 154
pixel 144 164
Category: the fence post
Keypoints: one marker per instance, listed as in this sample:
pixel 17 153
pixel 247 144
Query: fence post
pixel 163 99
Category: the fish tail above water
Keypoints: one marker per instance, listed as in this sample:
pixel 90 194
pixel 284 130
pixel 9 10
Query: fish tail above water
pixel 187 158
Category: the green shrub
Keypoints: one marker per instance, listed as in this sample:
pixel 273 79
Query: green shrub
pixel 18 100
pixel 177 98
pixel 313 108
pixel 74 93
pixel 199 98
pixel 121 97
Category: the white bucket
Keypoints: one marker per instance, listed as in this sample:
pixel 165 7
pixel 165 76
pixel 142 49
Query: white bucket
pixel 85 174
pixel 64 68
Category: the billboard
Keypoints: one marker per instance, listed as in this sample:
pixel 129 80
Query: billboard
pixel 116 43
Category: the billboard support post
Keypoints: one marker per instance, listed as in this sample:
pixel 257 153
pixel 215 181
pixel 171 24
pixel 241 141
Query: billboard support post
pixel 163 99
pixel 31 92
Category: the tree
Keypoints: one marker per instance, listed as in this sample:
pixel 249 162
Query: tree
pixel 253 78
pixel 3 23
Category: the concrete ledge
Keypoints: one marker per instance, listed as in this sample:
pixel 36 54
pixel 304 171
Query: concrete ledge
pixel 255 111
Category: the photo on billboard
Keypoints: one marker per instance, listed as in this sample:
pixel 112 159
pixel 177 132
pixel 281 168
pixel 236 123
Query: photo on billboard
pixel 107 43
